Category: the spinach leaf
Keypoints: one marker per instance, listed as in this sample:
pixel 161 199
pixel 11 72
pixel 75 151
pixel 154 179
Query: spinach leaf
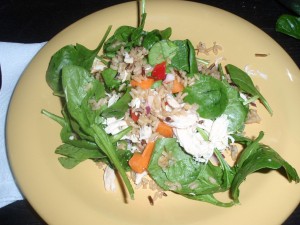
pixel 263 157
pixel 68 135
pixel 162 51
pixel 244 141
pixel 228 172
pixel 74 155
pixel 289 25
pixel 155 36
pixel 175 170
pixel 236 111
pixel 125 36
pixel 65 56
pixel 177 166
pixel 209 198
pixel 210 94
pixel 70 55
pixel 77 150
pixel 192 59
pixel 185 58
pixel 103 141
pixel 181 60
pixel 252 146
pixel 138 33
pixel 119 135
pixel 124 156
pixel 109 78
pixel 119 108
pixel 245 83
pixel 79 87
pixel 120 38
pixel 171 168
pixel 166 33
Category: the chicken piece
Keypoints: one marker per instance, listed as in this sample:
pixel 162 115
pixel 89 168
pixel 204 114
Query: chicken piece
pixel 109 178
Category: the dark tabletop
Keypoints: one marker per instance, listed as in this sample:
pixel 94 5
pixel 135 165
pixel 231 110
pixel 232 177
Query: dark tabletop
pixel 31 21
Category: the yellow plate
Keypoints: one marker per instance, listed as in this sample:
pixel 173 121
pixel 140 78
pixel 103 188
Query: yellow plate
pixel 77 196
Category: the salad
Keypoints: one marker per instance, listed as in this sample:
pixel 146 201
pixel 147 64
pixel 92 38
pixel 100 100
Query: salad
pixel 144 104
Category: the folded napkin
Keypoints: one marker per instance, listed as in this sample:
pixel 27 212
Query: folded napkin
pixel 14 57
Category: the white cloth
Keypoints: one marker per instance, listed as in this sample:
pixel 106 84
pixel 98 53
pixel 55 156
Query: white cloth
pixel 14 57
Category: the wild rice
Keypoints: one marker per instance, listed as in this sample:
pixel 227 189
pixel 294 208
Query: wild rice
pixel 148 183
pixel 253 117
pixel 233 151
pixel 201 48
pixel 193 185
pixel 173 186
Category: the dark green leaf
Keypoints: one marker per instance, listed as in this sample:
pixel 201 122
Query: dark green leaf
pixel 210 94
pixel 166 33
pixel 138 33
pixel 209 198
pixel 192 59
pixel 119 135
pixel 155 36
pixel 65 56
pixel 173 169
pixel 181 60
pixel 67 134
pixel 109 78
pixel 289 25
pixel 74 155
pixel 124 156
pixel 185 58
pixel 70 55
pixel 245 83
pixel 236 111
pixel 120 38
pixel 119 108
pixel 79 87
pixel 162 51
pixel 228 172
pixel 252 146
pixel 263 158
pixel 103 141
pixel 136 37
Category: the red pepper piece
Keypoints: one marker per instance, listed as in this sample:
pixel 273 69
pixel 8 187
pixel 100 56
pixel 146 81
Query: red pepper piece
pixel 134 116
pixel 159 71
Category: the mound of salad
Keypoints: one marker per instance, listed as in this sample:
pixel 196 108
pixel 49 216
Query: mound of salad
pixel 145 104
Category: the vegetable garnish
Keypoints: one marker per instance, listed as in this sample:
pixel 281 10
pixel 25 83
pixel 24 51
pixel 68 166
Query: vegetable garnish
pixel 177 87
pixel 164 129
pixel 148 106
pixel 145 84
pixel 139 161
pixel 159 71
pixel 289 25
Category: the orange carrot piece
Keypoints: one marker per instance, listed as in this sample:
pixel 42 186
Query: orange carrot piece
pixel 177 86
pixel 164 129
pixel 139 162
pixel 136 163
pixel 144 84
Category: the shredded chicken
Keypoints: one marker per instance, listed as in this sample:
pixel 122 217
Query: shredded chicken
pixel 109 178
pixel 185 129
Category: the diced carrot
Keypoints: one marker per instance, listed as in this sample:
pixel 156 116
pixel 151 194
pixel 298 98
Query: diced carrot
pixel 139 162
pixel 148 150
pixel 177 86
pixel 164 129
pixel 144 84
